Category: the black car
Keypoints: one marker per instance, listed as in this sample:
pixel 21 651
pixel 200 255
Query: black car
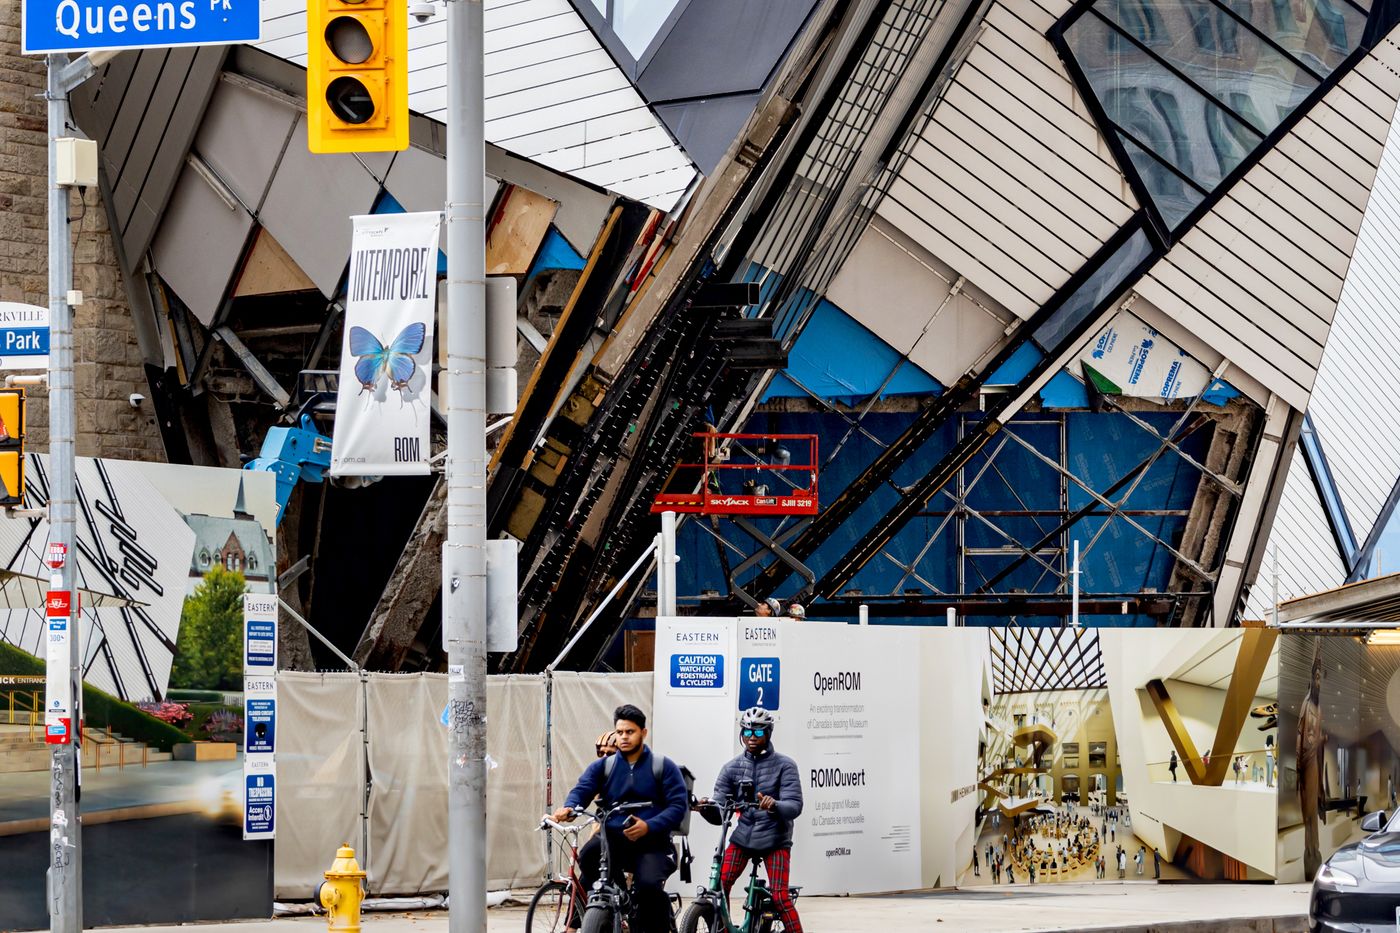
pixel 1357 890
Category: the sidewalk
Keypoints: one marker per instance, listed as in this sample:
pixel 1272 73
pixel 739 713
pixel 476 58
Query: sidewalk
pixel 1065 907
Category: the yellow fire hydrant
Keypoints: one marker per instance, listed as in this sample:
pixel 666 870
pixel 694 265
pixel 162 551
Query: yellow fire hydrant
pixel 343 891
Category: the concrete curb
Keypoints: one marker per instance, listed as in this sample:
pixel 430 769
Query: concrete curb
pixel 1292 923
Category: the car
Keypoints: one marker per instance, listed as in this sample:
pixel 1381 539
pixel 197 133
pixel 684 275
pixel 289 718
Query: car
pixel 1357 890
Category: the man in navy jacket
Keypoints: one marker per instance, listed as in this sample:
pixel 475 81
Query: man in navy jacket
pixel 639 841
pixel 765 830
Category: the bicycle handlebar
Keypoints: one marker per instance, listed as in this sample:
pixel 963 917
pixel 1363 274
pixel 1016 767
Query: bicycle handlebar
pixel 548 822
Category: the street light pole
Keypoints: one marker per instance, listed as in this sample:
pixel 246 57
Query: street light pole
pixel 464 552
pixel 65 892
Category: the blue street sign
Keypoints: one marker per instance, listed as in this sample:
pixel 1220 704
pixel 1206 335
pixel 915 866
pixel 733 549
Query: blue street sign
pixel 759 682
pixel 260 726
pixel 697 671
pixel 259 805
pixel 260 651
pixel 90 25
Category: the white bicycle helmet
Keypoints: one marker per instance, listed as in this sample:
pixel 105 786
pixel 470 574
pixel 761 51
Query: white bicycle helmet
pixel 755 717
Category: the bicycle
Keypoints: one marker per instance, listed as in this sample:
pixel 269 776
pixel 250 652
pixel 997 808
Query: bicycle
pixel 611 906
pixel 555 902
pixel 711 907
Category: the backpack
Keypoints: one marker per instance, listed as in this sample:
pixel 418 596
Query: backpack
pixel 658 768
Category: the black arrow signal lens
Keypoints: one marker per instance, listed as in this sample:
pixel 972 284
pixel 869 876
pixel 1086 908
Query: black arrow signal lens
pixel 350 100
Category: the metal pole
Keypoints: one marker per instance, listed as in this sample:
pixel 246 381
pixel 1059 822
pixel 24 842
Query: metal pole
pixel 1074 588
pixel 65 854
pixel 667 607
pixel 464 552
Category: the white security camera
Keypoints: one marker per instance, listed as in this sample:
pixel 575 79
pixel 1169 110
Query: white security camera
pixel 422 11
pixel 136 398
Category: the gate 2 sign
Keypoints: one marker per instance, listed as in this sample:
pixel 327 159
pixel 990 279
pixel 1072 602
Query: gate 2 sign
pixel 94 25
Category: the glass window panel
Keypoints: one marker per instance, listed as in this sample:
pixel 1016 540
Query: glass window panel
pixel 636 21
pixel 1172 196
pixel 1106 280
pixel 1320 32
pixel 1154 105
pixel 1209 46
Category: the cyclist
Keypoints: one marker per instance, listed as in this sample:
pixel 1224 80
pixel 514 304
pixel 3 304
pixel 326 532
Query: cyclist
pixel 764 832
pixel 640 842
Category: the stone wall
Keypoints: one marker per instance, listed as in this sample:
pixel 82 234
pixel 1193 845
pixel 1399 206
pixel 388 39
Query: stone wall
pixel 109 363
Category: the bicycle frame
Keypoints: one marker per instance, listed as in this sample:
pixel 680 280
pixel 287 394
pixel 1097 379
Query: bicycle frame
pixel 756 896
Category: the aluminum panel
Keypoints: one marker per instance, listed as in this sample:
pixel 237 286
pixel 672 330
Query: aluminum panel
pixel 199 245
pixel 242 139
pixel 893 288
pixel 1302 540
pixel 308 206
pixel 1355 403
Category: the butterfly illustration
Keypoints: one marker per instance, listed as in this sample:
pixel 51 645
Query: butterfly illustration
pixel 395 360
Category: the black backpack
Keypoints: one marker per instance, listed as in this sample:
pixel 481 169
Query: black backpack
pixel 658 768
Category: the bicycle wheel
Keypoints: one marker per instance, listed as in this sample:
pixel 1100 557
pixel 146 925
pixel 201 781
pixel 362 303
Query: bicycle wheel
pixel 551 908
pixel 598 920
pixel 699 917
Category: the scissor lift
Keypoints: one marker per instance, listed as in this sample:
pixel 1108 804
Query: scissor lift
pixel 742 474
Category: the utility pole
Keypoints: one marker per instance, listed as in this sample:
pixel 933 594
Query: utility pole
pixel 464 552
pixel 65 852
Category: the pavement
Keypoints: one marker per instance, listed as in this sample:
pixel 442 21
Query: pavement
pixel 1130 906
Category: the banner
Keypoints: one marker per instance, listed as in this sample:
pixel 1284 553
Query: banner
pixel 382 409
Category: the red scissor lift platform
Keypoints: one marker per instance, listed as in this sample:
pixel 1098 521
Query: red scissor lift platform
pixel 754 485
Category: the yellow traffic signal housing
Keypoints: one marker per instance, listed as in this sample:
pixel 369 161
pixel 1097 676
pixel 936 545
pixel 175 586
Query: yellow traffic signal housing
pixel 12 405
pixel 357 75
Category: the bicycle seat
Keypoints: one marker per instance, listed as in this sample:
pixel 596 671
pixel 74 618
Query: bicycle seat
pixel 795 889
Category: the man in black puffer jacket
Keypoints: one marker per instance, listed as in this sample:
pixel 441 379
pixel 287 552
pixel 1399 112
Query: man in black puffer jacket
pixel 764 831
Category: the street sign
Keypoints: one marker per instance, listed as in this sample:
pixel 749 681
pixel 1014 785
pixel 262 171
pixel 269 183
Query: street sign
pixel 58 693
pixel 259 797
pixel 24 336
pixel 259 634
pixel 94 25
pixel 259 715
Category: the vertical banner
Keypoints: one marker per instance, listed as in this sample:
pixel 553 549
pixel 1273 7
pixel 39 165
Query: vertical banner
pixel 259 716
pixel 58 690
pixel 382 413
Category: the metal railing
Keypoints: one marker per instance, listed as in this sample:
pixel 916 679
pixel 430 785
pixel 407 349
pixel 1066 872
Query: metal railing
pixel 20 712
pixel 99 741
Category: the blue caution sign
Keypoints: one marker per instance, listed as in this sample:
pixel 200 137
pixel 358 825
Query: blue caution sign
pixel 261 649
pixel 260 726
pixel 259 805
pixel 697 671
pixel 759 682
pixel 89 25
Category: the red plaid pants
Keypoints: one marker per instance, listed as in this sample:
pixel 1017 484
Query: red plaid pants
pixel 776 865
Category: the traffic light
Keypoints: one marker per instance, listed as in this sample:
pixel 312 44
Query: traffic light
pixel 11 447
pixel 357 75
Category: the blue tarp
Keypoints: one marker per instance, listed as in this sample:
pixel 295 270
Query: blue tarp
pixel 836 357
pixel 555 253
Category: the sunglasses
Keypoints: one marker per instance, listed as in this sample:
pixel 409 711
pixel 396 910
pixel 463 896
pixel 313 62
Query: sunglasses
pixel 753 733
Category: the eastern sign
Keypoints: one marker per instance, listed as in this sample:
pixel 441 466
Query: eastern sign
pixel 259 716
pixel 259 797
pixel 259 634
pixel 93 25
